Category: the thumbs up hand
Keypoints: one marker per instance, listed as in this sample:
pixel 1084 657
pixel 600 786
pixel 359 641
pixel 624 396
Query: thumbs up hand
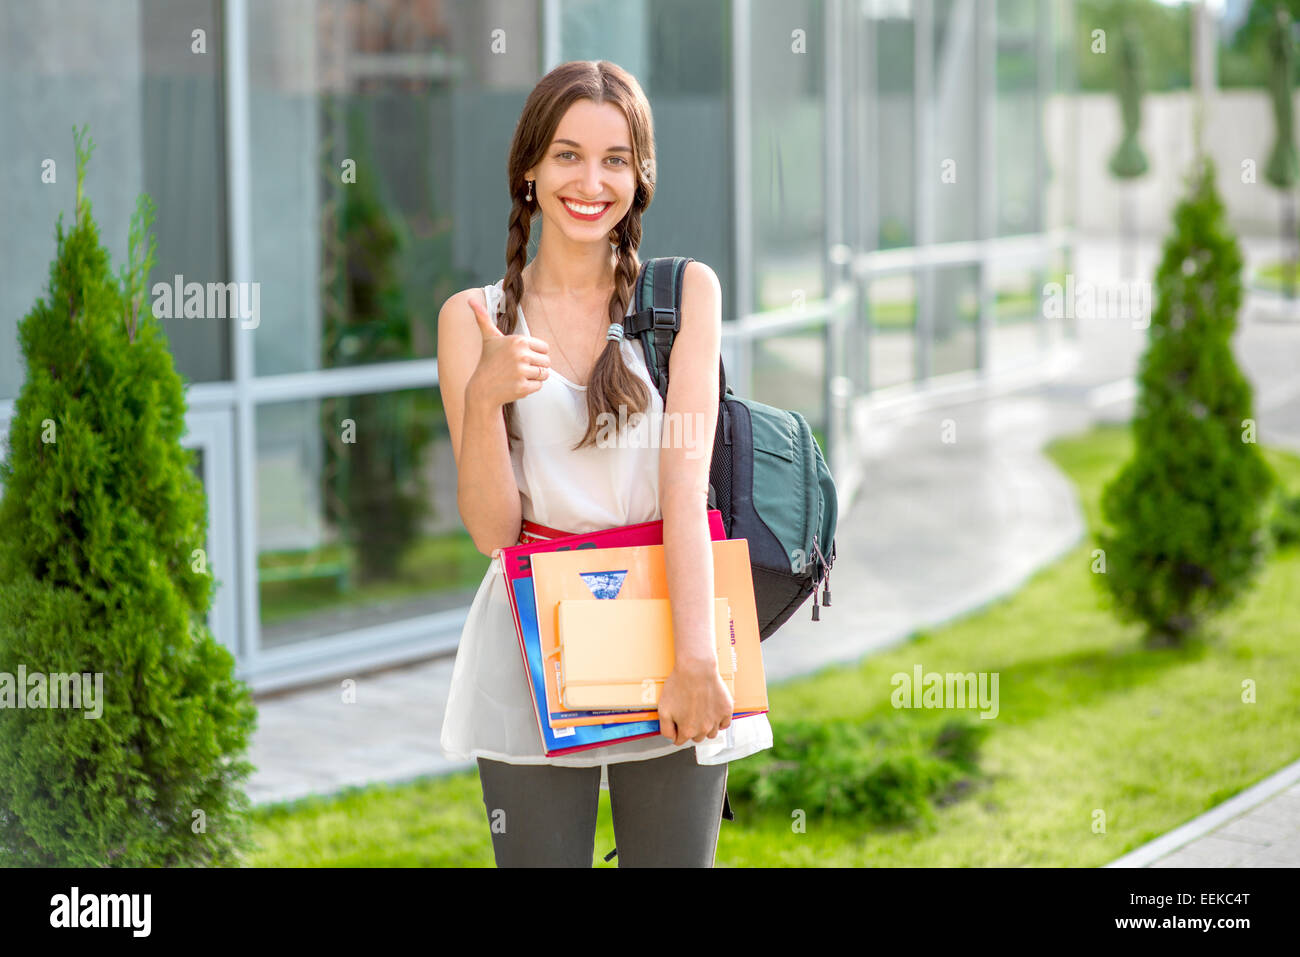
pixel 509 367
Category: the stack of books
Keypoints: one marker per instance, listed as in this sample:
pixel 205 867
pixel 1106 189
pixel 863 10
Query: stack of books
pixel 594 623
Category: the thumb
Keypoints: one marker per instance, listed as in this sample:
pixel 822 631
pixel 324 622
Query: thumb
pixel 486 327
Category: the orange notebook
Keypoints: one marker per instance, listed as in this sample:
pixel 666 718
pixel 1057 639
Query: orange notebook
pixel 618 654
pixel 638 572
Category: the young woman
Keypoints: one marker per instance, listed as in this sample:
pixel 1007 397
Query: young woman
pixel 524 401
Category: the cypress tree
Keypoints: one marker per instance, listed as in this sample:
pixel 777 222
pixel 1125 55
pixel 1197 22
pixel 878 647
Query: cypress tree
pixel 102 572
pixel 1188 510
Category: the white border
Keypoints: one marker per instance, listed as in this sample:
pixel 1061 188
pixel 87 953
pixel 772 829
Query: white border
pixel 210 432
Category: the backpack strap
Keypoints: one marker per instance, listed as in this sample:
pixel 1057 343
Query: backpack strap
pixel 656 320
pixel 657 317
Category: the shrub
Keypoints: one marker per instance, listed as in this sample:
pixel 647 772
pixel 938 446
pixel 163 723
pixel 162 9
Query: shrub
pixel 882 772
pixel 1285 522
pixel 1188 509
pixel 101 573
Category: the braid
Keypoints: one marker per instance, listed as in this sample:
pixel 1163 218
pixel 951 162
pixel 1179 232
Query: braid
pixel 612 383
pixel 521 221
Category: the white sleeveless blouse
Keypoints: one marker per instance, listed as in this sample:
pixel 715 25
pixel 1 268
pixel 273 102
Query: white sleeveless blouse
pixel 489 708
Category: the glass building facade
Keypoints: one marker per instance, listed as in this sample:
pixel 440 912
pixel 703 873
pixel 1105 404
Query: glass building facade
pixel 866 177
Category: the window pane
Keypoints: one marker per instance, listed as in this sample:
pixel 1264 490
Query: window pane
pixel 379 134
pixel 788 57
pixel 357 518
pixel 893 139
pixel 1017 311
pixel 955 312
pixel 599 30
pixel 673 48
pixel 1018 119
pixel 128 70
pixel 955 114
pixel 891 312
pixel 790 373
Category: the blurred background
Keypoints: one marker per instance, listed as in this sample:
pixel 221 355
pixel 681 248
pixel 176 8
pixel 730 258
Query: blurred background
pixel 884 209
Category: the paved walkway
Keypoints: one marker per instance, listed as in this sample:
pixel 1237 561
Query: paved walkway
pixel 937 530
pixel 1260 827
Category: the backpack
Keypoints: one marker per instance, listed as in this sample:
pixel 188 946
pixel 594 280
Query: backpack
pixel 767 476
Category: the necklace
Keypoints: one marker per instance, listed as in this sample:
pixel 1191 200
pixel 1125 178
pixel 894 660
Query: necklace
pixel 551 327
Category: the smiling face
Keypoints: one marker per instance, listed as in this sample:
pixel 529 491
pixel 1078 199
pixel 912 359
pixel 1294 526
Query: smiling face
pixel 585 182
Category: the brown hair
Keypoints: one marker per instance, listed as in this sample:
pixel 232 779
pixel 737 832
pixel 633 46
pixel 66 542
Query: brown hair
pixel 612 383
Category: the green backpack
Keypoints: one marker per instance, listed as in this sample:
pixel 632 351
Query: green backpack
pixel 767 477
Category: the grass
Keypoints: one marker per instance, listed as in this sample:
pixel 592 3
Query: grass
pixel 1089 722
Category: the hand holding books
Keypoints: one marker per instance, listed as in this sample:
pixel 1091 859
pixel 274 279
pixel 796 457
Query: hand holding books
pixel 695 704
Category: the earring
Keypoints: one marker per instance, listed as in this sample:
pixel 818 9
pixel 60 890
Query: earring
pixel 529 197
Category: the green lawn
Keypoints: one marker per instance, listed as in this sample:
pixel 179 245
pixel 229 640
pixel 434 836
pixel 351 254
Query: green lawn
pixel 1089 721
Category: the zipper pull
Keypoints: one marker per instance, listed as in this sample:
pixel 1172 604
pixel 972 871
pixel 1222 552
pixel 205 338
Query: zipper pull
pixel 825 578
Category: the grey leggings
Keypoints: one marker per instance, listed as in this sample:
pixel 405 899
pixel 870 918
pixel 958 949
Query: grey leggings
pixel 666 811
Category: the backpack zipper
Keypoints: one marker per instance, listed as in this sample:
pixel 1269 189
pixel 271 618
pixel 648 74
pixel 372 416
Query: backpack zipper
pixel 824 575
pixel 808 448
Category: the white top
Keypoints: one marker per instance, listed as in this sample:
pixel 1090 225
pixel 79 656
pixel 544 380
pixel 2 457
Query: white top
pixel 489 707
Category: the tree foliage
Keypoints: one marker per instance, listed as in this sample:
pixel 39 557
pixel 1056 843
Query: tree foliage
pixel 1188 511
pixel 102 572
